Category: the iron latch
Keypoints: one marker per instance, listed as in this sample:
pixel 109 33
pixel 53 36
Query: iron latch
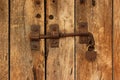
pixel 54 35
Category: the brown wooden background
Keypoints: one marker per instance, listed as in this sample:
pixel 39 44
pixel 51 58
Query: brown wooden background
pixel 68 61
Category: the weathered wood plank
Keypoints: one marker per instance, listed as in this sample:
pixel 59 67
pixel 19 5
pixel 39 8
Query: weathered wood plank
pixel 4 40
pixel 25 63
pixel 116 40
pixel 99 20
pixel 60 61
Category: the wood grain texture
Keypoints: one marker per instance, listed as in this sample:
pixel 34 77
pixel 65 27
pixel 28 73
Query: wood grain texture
pixel 99 18
pixel 3 39
pixel 26 64
pixel 116 40
pixel 60 61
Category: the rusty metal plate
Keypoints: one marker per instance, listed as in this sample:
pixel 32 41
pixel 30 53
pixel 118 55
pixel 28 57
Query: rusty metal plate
pixel 54 30
pixel 83 28
pixel 35 45
pixel 34 37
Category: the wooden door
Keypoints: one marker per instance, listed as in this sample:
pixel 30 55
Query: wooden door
pixel 66 61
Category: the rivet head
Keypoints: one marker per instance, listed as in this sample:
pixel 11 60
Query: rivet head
pixel 82 1
pixel 93 2
pixel 38 16
pixel 91 56
pixel 53 1
pixel 51 17
pixel 37 2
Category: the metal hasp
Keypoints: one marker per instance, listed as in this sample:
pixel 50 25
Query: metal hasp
pixel 54 35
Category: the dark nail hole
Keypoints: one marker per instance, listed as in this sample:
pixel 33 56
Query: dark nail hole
pixel 82 1
pixel 53 1
pixel 37 2
pixel 38 16
pixel 39 66
pixel 51 17
pixel 93 2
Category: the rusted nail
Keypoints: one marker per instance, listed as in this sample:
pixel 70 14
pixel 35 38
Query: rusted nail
pixel 38 16
pixel 37 2
pixel 93 2
pixel 53 1
pixel 82 1
pixel 51 17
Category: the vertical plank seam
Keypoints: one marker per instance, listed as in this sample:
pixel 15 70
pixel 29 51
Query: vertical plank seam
pixel 45 39
pixel 9 4
pixel 112 39
pixel 75 40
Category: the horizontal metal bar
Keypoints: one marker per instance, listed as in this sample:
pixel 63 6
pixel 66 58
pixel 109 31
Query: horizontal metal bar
pixel 62 35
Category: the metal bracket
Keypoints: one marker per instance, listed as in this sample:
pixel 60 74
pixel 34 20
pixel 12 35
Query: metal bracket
pixel 83 28
pixel 54 31
pixel 34 37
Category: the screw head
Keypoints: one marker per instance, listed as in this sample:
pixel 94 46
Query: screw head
pixel 51 17
pixel 38 16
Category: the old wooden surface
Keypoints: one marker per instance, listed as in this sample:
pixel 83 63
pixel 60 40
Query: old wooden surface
pixel 60 61
pixel 67 62
pixel 26 64
pixel 99 18
pixel 4 40
pixel 116 39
